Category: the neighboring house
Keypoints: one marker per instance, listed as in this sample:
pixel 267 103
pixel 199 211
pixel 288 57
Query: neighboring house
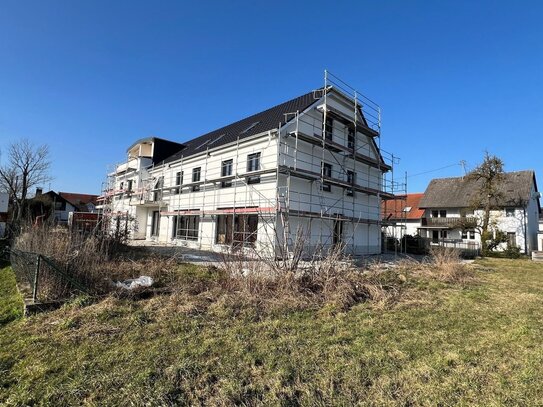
pixel 65 202
pixel 402 215
pixel 309 167
pixel 540 234
pixel 4 204
pixel 450 216
pixel 81 202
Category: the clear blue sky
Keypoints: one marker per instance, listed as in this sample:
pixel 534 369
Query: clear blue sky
pixel 90 77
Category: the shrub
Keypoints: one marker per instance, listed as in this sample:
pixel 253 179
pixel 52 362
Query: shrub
pixel 512 252
pixel 444 264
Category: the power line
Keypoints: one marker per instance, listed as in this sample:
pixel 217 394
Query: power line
pixel 434 170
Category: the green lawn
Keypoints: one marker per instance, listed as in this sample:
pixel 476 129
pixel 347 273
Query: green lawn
pixel 441 345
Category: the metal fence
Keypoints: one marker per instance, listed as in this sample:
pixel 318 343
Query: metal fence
pixel 41 279
pixel 421 245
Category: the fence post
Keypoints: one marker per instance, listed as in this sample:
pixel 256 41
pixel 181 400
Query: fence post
pixel 36 277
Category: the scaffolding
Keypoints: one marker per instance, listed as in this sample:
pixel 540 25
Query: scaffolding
pixel 322 149
pixel 347 163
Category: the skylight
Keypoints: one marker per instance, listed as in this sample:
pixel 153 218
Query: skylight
pixel 407 209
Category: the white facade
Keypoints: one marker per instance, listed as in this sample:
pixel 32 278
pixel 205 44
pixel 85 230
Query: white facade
pixel 521 224
pixel 263 190
pixel 405 227
pixel 62 211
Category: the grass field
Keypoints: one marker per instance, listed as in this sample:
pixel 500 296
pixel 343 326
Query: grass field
pixel 442 344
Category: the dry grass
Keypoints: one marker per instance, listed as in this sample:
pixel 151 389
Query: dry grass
pixel 445 265
pixel 328 278
pixel 473 345
pixel 95 261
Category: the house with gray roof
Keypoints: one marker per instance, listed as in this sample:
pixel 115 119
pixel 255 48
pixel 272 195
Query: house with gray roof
pixel 451 214
pixel 309 168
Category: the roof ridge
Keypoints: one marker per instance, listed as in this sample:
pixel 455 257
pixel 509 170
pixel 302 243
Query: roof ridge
pixel 266 120
pixel 248 117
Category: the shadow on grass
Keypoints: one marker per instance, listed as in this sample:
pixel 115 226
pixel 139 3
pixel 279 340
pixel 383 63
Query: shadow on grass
pixel 11 303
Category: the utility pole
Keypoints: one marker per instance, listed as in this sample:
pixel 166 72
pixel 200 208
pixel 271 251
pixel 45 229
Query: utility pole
pixel 463 164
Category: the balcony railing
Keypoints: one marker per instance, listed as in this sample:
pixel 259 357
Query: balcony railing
pixel 460 222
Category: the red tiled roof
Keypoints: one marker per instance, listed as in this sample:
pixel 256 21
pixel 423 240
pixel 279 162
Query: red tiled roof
pixel 79 199
pixel 393 209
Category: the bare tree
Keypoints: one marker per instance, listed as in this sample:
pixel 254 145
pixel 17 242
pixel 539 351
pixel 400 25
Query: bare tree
pixel 27 166
pixel 489 175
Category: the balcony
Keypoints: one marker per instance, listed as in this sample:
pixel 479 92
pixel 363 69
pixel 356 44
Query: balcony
pixel 148 199
pixel 464 222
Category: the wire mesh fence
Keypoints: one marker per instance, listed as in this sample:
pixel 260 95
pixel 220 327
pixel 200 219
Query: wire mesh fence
pixel 41 279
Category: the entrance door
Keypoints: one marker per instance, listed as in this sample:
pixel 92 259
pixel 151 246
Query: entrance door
pixel 435 236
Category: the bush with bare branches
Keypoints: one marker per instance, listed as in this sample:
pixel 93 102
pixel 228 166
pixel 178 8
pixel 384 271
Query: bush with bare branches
pixel 445 264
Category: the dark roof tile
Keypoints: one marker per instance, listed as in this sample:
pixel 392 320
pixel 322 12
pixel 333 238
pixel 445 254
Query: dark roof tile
pixel 515 190
pixel 258 123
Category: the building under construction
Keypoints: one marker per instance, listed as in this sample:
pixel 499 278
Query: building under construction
pixel 308 170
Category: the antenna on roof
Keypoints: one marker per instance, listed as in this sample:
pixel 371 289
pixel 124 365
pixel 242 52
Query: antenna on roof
pixel 463 164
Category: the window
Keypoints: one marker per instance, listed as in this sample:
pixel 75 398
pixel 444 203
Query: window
pixel 129 185
pixel 326 171
pixel 253 164
pixel 239 230
pixel 435 236
pixel 226 171
pixel 511 239
pixel 444 234
pixel 468 234
pixel 338 232
pixel 121 187
pixel 435 214
pixel 186 227
pixel 350 138
pixel 196 178
pixel 328 128
pixel 178 181
pixel 510 212
pixel 351 181
pixel 155 224
pixel 442 213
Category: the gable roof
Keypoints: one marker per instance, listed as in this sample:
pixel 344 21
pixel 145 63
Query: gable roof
pixel 394 208
pixel 80 201
pixel 515 190
pixel 258 123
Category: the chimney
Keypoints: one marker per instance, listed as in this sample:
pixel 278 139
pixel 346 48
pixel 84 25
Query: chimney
pixel 39 191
